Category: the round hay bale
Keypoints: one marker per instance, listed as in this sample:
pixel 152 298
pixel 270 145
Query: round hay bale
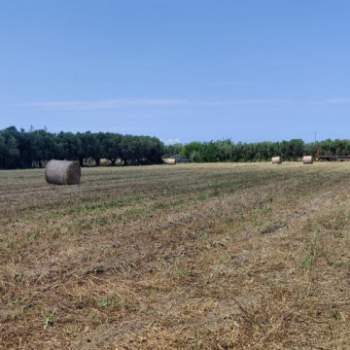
pixel 308 160
pixel 63 172
pixel 276 160
pixel 169 161
pixel 105 162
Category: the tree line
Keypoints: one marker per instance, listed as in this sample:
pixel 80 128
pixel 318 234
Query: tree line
pixel 226 150
pixel 27 149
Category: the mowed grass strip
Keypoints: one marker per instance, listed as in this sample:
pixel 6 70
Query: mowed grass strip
pixel 207 256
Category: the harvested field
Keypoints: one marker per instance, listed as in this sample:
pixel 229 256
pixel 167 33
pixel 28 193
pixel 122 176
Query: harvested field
pixel 207 256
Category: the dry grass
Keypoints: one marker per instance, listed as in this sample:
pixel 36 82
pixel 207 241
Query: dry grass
pixel 221 256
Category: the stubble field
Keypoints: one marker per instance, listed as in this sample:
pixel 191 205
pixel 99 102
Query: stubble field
pixel 207 256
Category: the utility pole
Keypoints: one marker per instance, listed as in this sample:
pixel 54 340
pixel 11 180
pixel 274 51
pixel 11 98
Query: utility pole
pixel 317 147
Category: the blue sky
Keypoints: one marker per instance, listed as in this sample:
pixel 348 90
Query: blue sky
pixel 181 70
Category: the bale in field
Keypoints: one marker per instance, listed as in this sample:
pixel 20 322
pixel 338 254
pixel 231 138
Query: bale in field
pixel 170 161
pixel 276 160
pixel 308 160
pixel 105 162
pixel 62 172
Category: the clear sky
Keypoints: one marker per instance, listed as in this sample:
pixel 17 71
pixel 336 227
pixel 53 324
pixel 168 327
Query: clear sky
pixel 184 70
